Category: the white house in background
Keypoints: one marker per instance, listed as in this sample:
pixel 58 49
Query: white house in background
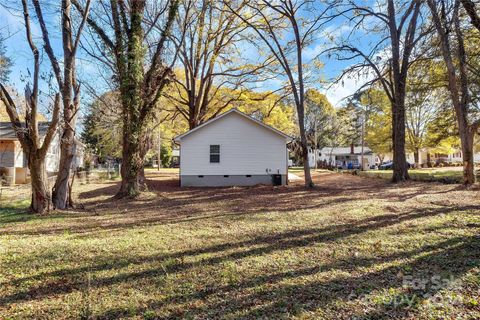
pixel 233 149
pixel 13 161
pixel 455 156
pixel 343 157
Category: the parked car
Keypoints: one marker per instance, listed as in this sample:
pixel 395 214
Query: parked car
pixel 386 165
pixel 348 166
pixel 354 166
pixel 389 165
pixel 441 162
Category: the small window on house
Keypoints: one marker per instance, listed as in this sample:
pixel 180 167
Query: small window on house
pixel 214 153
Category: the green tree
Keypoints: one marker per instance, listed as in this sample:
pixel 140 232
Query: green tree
pixel 459 56
pixel 211 60
pixel 422 103
pixel 378 125
pixel 399 28
pixel 102 127
pixel 5 62
pixel 349 125
pixel 270 108
pixel 319 119
pixel 134 43
pixel 285 29
pixel 442 132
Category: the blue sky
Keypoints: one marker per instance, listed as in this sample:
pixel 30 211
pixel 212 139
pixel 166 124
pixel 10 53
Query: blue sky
pixel 11 25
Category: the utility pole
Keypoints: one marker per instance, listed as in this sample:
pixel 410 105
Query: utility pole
pixel 316 151
pixel 159 148
pixel 363 139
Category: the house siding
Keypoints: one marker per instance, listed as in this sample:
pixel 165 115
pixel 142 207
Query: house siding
pixel 222 181
pixel 7 153
pixel 246 148
pixel 11 154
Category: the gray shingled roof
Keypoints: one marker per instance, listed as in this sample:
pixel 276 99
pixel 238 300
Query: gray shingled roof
pixel 7 132
pixel 345 150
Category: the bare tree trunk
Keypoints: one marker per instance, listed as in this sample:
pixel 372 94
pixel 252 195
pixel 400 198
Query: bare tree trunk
pixel 416 157
pixel 66 79
pixel 400 21
pixel 146 144
pixel 193 122
pixel 467 139
pixel 399 70
pixel 132 163
pixel 61 189
pixel 304 145
pixel 400 167
pixel 28 134
pixel 300 102
pixel 41 199
pixel 457 85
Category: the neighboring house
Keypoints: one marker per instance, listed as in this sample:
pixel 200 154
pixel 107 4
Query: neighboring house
pixel 175 163
pixel 343 157
pixel 13 161
pixel 455 156
pixel 78 159
pixel 233 149
pixel 425 154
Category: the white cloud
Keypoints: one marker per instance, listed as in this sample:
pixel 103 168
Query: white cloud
pixel 337 93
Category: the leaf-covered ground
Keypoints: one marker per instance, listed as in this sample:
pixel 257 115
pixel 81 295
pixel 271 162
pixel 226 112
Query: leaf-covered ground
pixel 353 248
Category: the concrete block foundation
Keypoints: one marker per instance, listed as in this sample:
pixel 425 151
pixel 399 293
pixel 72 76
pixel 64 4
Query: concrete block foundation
pixel 227 180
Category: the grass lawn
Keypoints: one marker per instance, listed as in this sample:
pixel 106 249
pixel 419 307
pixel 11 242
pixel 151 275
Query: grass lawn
pixel 441 175
pixel 353 248
pixel 295 169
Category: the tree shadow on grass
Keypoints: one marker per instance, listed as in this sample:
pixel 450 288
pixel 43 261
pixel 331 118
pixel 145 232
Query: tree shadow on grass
pixel 453 258
pixel 169 211
pixel 14 214
pixel 18 213
pixel 448 259
pixel 72 279
pixel 167 203
pixel 172 204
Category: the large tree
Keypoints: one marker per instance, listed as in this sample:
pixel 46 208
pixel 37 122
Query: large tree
pixel 102 125
pixel 396 28
pixel 423 100
pixel 451 34
pixel 210 59
pixel 135 44
pixel 33 145
pixel 320 119
pixel 270 21
pixel 66 78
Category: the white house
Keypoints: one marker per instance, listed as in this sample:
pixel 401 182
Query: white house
pixel 343 157
pixel 13 161
pixel 233 149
